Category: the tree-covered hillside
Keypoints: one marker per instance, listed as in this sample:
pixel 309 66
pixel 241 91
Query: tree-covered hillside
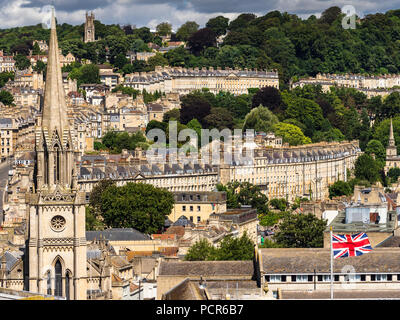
pixel 295 46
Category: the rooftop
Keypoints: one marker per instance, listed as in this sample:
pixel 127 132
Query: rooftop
pixel 207 268
pixel 306 260
pixel 338 225
pixel 116 234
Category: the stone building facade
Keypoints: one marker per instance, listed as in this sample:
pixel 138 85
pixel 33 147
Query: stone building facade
pixel 183 81
pixel 290 172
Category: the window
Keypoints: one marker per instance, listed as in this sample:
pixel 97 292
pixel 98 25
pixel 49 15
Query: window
pixel 362 277
pixel 67 286
pixel 198 208
pixel 373 277
pixel 326 278
pixel 48 283
pixel 198 219
pixel 58 284
pixel 191 208
pixel 302 278
pixel 191 218
pixel 183 208
pixel 381 277
pixel 275 279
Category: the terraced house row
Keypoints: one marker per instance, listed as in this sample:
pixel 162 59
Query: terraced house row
pixel 280 172
pixel 183 80
pixel 298 171
pixel 373 85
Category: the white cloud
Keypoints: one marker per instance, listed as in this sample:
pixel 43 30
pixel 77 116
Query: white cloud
pixel 151 12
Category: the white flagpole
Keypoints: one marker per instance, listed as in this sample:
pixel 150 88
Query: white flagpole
pixel 331 266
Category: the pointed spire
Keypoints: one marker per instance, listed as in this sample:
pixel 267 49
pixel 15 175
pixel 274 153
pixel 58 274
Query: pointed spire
pixel 391 135
pixel 54 107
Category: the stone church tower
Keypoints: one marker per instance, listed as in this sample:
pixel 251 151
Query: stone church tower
pixel 89 28
pixel 392 159
pixel 57 239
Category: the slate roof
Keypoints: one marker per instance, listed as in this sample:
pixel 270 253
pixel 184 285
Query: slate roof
pixel 207 268
pixel 116 234
pixel 185 290
pixel 183 221
pixel 93 254
pixel 12 258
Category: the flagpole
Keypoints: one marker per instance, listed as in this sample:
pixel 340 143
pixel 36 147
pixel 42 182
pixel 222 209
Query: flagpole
pixel 331 265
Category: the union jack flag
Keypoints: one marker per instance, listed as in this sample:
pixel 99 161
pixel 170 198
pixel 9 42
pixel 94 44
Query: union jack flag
pixel 346 245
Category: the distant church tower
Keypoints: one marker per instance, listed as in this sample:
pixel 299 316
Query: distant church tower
pixel 57 235
pixel 392 159
pixel 89 28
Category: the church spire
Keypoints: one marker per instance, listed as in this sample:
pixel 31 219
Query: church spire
pixel 392 142
pixel 54 145
pixel 54 107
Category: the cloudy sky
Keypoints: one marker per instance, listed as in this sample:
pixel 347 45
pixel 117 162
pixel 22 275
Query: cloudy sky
pixel 151 12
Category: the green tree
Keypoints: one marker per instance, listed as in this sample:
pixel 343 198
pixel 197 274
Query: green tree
pixel 219 118
pixel 157 60
pixel 173 114
pixel 290 134
pixel 120 61
pixel 269 97
pixel 394 174
pixel 21 62
pixel 201 250
pixel 6 98
pixel 230 248
pixel 366 168
pixel 88 73
pixel 201 40
pixel 235 248
pixel 40 67
pixel 4 77
pixel 301 231
pixel 375 147
pixel 330 15
pixel 194 106
pixel 244 193
pixel 164 28
pixel 390 106
pixel 280 204
pixel 218 24
pixel 154 124
pixel 260 119
pixel 339 188
pixel 186 30
pixel 36 49
pixel 136 205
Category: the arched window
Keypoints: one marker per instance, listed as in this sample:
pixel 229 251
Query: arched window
pixel 48 282
pixel 67 285
pixel 58 282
